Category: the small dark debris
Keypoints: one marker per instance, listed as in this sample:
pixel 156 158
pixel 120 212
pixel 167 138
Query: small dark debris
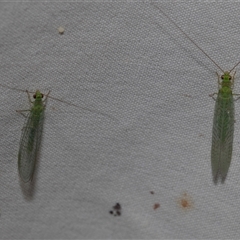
pixel 116 210
pixel 156 206
pixel 152 192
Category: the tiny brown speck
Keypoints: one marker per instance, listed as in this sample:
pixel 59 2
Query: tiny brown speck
pixel 156 206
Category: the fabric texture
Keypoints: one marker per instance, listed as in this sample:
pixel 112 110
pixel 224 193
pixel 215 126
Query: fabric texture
pixel 141 134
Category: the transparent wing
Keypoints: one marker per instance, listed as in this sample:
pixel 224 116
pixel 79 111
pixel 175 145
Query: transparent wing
pixel 222 136
pixel 29 145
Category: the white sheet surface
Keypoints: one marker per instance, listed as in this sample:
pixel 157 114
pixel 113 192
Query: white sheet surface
pixel 148 127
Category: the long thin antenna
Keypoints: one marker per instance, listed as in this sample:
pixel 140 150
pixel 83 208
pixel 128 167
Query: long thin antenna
pixel 234 66
pixel 159 9
pixel 13 88
pixel 20 90
pixel 71 104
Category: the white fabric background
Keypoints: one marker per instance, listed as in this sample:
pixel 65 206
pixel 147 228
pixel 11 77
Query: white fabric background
pixel 148 129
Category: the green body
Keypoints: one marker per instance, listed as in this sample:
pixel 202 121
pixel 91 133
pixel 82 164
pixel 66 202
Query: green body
pixel 31 139
pixel 223 121
pixel 223 128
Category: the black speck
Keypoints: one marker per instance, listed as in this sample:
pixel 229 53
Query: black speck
pixel 117 210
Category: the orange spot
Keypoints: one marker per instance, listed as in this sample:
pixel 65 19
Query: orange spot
pixel 185 202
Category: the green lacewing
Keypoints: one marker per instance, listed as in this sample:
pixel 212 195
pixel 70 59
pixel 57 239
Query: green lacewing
pixel 31 137
pixel 32 132
pixel 223 120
